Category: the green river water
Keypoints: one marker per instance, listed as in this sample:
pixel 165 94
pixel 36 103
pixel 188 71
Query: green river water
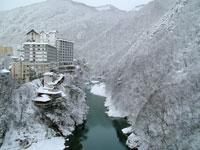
pixel 99 131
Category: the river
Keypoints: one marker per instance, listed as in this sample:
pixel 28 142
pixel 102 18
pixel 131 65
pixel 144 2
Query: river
pixel 99 131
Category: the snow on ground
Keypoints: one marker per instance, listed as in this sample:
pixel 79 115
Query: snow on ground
pixel 98 89
pixel 56 143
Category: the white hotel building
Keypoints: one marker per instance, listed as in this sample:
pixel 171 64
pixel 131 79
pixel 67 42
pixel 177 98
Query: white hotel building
pixel 46 47
pixel 40 47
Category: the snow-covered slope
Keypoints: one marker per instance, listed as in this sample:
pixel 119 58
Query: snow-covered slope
pixel 106 7
pixel 24 122
pixel 107 48
pixel 159 82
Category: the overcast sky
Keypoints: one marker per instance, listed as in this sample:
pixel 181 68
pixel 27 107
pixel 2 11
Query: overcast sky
pixel 121 4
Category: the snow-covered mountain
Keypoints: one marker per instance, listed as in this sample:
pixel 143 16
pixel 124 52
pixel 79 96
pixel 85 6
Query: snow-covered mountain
pixel 74 21
pixel 150 59
pixel 98 35
pixel 156 82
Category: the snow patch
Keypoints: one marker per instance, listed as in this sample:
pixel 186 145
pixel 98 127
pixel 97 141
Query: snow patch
pixel 94 82
pixel 56 143
pixel 4 71
pixel 128 130
pixel 112 111
pixel 48 74
pixel 137 8
pixel 43 98
pixel 45 91
pixel 98 89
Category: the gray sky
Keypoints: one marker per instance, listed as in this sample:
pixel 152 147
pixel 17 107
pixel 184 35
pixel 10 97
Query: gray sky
pixel 121 4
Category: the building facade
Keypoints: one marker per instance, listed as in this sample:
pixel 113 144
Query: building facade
pixel 44 37
pixel 26 71
pixel 65 55
pixel 49 37
pixel 52 37
pixel 40 52
pixel 48 78
pixel 6 50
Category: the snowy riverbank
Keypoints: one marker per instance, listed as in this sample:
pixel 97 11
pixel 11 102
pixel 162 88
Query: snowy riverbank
pixel 100 89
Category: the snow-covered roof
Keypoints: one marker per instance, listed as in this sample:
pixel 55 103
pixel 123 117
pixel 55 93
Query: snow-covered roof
pixel 94 81
pixel 61 76
pixel 48 88
pixel 43 98
pixel 46 91
pixel 56 82
pixel 32 31
pixel 21 59
pixel 4 71
pixel 36 43
pixel 44 32
pixel 13 57
pixel 48 74
pixel 59 39
pixel 53 31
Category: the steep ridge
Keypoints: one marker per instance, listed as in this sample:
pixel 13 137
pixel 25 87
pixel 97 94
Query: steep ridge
pixel 156 83
pixel 107 48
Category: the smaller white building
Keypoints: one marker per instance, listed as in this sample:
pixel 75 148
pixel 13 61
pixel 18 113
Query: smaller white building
pixel 44 37
pixel 48 78
pixel 33 36
pixel 52 37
